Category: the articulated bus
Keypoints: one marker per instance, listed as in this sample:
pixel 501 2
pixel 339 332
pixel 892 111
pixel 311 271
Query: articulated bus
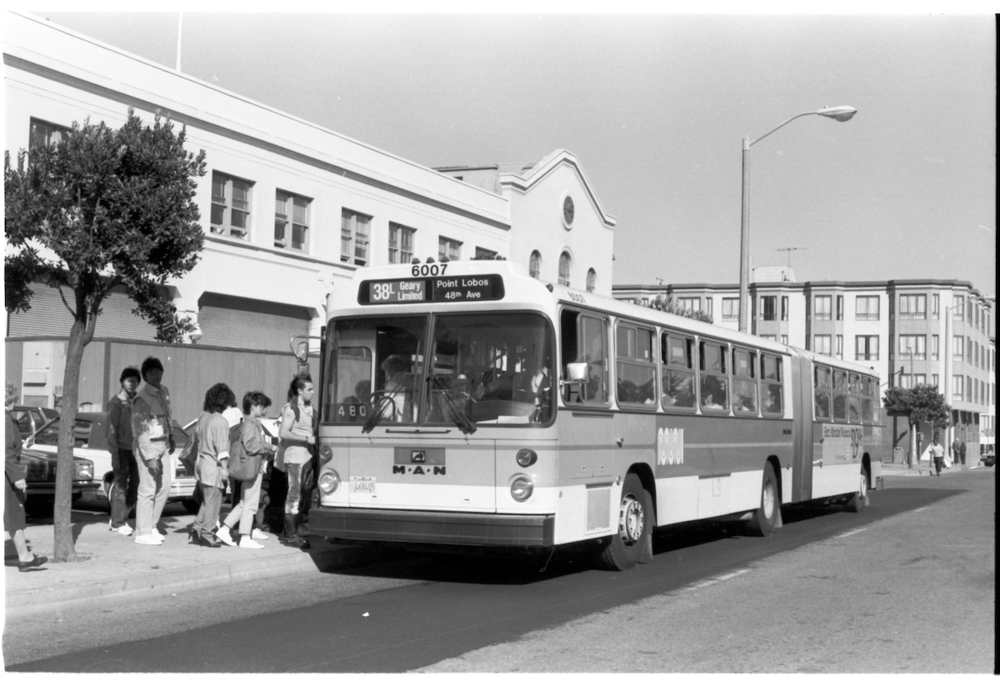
pixel 469 404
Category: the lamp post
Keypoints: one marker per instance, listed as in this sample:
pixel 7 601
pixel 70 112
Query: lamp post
pixel 838 113
pixel 948 432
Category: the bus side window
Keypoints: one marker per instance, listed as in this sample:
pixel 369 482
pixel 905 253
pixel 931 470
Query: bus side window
pixel 867 408
pixel 744 382
pixel 822 387
pixel 636 369
pixel 714 390
pixel 840 396
pixel 770 384
pixel 678 371
pixel 584 341
pixel 854 400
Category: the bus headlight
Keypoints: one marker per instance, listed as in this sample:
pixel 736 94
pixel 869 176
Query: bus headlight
pixel 329 481
pixel 325 454
pixel 521 488
pixel 526 457
pixel 84 470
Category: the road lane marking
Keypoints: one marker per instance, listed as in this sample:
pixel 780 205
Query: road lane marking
pixel 714 581
pixel 920 510
pixel 851 533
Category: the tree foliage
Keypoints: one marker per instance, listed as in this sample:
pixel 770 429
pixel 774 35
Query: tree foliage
pixel 668 305
pixel 103 208
pixel 919 404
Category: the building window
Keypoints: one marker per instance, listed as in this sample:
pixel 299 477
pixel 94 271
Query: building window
pixel 840 307
pixel 866 308
pixel 935 305
pixel 355 230
pixel 230 205
pixel 957 387
pixel 969 391
pixel 400 244
pixel 591 280
pixel 935 346
pixel 969 350
pixel 689 305
pixel 823 308
pixel 866 347
pixel 291 232
pixel 564 268
pixel 45 134
pixel 730 309
pixel 449 249
pixel 784 307
pixel 957 348
pixel 935 381
pixel 784 339
pixel 913 347
pixel 768 307
pixel 822 344
pixel 535 264
pixel 912 307
pixel 840 347
pixel 485 254
pixel 956 308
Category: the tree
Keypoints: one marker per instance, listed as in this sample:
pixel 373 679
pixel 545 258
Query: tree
pixel 103 208
pixel 667 305
pixel 922 403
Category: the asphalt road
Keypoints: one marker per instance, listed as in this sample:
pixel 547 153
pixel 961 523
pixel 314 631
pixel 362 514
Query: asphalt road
pixel 460 613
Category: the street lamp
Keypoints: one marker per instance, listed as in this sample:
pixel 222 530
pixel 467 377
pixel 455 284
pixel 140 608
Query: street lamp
pixel 838 113
pixel 949 433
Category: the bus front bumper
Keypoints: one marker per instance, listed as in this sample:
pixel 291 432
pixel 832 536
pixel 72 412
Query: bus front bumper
pixel 428 527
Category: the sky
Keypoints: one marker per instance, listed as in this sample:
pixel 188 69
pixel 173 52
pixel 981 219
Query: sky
pixel 655 106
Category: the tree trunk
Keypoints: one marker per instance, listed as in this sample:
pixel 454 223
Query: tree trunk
pixel 63 548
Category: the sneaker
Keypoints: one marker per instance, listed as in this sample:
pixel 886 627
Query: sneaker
pixel 124 530
pixel 158 533
pixel 223 535
pixel 258 535
pixel 148 540
pixel 248 543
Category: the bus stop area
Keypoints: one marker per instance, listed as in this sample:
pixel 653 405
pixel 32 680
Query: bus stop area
pixel 114 566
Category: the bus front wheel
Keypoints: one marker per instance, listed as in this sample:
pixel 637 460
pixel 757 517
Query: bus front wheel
pixel 766 516
pixel 856 502
pixel 635 523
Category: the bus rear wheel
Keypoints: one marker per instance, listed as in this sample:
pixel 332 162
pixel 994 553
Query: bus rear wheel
pixel 766 516
pixel 856 502
pixel 635 523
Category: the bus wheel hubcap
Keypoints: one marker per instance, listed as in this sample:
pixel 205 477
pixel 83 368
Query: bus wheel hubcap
pixel 632 520
pixel 767 500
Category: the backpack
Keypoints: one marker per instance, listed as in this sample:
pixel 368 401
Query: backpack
pixel 242 467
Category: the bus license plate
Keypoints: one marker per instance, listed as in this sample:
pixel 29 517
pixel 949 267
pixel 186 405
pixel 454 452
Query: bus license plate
pixel 363 484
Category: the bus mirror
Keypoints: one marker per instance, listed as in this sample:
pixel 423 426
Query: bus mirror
pixel 577 372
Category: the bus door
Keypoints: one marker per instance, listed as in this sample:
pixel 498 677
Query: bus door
pixel 803 429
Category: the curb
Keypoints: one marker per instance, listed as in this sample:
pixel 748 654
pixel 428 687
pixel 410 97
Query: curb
pixel 187 579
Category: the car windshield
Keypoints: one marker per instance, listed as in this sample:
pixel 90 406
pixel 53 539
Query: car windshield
pixel 82 430
pixel 479 369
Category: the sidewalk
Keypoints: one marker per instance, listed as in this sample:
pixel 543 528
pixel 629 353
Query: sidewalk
pixel 926 468
pixel 115 565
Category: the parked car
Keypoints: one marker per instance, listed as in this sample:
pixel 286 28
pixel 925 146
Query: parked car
pixel 39 468
pixel 989 457
pixel 29 419
pixel 90 443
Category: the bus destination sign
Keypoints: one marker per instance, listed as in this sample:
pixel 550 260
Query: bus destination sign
pixel 477 287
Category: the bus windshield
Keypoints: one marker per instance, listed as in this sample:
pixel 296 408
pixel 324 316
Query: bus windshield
pixel 447 370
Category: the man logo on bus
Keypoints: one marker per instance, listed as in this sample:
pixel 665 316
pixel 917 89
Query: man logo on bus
pixel 419 466
pixel 670 446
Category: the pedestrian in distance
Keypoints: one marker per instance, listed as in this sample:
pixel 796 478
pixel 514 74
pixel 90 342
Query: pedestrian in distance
pixel 937 453
pixel 211 470
pixel 297 435
pixel 152 445
pixel 14 520
pixel 255 445
pixel 961 452
pixel 956 450
pixel 125 486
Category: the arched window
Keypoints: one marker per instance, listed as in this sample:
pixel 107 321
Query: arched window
pixel 535 264
pixel 564 268
pixel 591 280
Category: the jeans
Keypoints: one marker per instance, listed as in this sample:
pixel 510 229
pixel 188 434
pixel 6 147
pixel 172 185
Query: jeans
pixel 208 513
pixel 294 489
pixel 938 462
pixel 125 489
pixel 154 487
pixel 246 509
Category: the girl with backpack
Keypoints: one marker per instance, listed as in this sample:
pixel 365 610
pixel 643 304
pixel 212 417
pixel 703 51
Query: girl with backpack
pixel 297 437
pixel 211 470
pixel 255 448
